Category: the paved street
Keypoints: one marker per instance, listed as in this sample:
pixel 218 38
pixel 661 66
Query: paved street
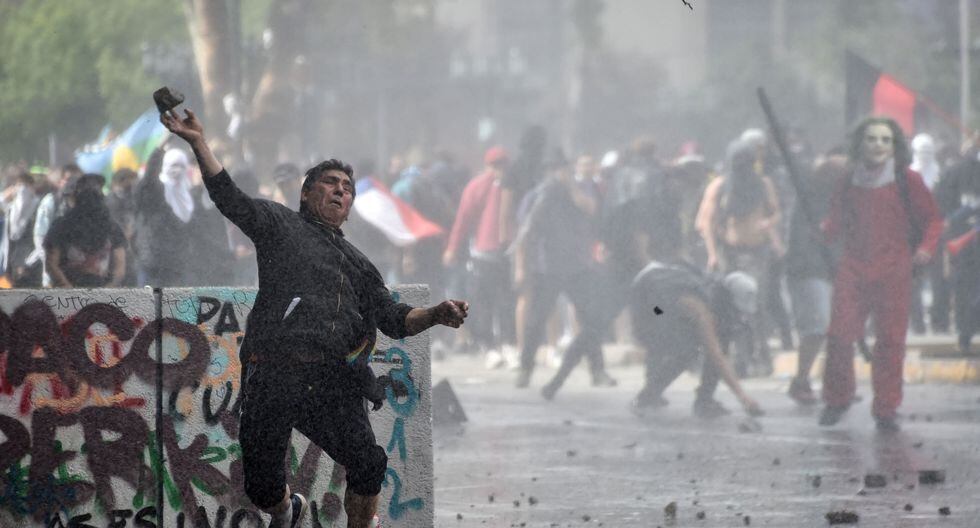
pixel 585 460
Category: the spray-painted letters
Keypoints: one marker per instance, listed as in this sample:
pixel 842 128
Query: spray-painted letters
pixel 78 429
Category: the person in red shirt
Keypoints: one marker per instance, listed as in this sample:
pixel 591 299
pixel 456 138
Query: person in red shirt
pixel 887 223
pixel 476 235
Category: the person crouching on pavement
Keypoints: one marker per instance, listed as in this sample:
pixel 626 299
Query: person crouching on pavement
pixel 310 334
pixel 888 223
pixel 678 313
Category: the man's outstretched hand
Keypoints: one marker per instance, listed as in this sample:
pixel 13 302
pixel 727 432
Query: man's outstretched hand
pixel 450 313
pixel 189 128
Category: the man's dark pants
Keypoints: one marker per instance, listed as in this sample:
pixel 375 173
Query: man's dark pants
pixel 493 324
pixel 321 402
pixel 543 291
pixel 670 350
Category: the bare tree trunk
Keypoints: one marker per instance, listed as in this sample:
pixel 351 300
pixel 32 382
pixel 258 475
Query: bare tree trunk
pixel 207 22
pixel 270 113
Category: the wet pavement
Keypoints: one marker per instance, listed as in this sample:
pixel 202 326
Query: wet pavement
pixel 586 460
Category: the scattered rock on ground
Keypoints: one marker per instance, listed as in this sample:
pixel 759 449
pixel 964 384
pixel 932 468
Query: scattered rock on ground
pixel 670 511
pixel 842 517
pixel 909 507
pixel 944 511
pixel 932 476
pixel 874 480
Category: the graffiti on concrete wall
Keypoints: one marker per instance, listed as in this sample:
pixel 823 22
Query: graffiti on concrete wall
pixel 78 428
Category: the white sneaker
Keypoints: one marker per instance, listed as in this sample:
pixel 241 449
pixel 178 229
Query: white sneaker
pixel 493 360
pixel 552 356
pixel 511 357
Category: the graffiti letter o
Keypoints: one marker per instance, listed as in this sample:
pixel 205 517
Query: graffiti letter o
pixel 184 373
pixel 119 324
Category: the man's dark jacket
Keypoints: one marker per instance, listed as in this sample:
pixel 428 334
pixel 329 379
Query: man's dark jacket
pixel 320 300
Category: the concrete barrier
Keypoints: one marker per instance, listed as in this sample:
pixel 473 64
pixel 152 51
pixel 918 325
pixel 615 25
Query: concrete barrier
pixel 78 420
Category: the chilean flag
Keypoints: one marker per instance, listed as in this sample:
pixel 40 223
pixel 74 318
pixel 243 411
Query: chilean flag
pixel 399 221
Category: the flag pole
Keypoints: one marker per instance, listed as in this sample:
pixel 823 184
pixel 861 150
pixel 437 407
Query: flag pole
pixel 802 199
pixel 965 66
pixel 950 120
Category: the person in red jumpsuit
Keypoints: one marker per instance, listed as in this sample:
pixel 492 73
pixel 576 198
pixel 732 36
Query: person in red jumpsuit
pixel 885 232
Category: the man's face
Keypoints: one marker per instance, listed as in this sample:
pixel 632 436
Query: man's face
pixel 877 145
pixel 330 197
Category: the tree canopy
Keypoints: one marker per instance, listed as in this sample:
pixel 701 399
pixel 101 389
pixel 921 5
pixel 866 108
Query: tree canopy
pixel 73 67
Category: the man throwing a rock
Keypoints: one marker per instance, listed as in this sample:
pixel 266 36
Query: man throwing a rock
pixel 310 334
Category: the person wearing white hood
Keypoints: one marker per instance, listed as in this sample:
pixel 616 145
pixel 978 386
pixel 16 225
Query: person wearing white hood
pixel 165 208
pixel 181 239
pixel 924 159
pixel 20 204
pixel 176 178
pixel 924 162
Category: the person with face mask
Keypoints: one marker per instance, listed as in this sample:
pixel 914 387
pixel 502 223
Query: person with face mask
pixel 924 159
pixel 310 334
pixel 740 221
pixel 53 205
pixel 122 206
pixel 175 175
pixel 887 223
pixel 86 248
pixel 924 162
pixel 552 255
pixel 20 202
pixel 164 208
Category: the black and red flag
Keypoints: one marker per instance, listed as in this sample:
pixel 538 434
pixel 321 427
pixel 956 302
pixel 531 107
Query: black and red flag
pixel 869 91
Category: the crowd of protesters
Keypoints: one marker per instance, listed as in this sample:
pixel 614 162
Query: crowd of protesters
pixel 546 244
